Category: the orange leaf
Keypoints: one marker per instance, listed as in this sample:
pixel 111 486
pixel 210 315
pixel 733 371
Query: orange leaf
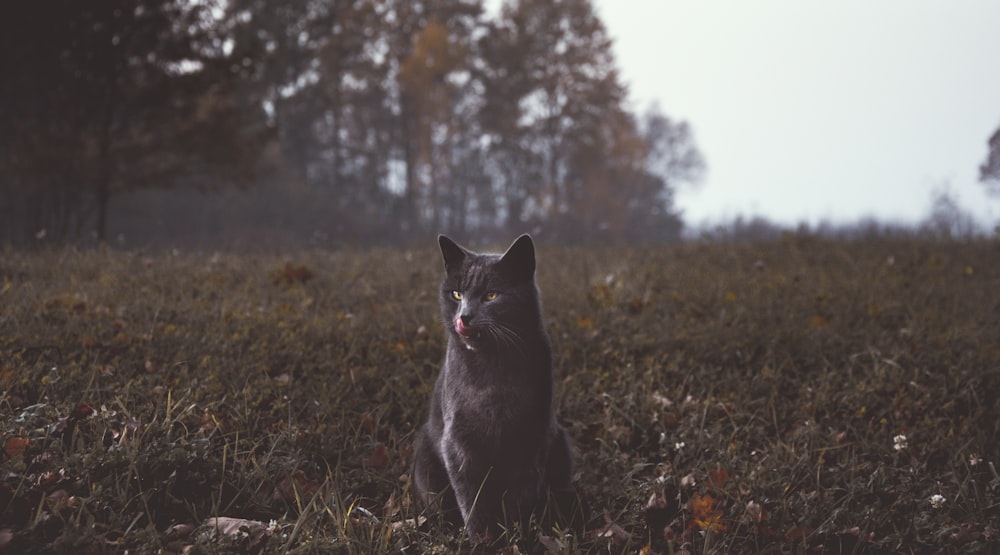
pixel 816 321
pixel 15 446
pixel 82 411
pixel 705 514
pixel 295 488
pixel 718 478
pixel 796 534
pixel 291 274
pixel 379 458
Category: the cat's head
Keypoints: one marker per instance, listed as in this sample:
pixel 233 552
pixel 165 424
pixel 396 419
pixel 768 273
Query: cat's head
pixel 489 300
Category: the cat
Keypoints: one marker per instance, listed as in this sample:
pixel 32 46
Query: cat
pixel 491 447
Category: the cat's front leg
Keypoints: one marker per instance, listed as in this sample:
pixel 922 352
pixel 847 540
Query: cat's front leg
pixel 430 478
pixel 475 492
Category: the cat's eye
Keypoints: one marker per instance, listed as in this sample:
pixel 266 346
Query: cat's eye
pixel 490 296
pixel 456 295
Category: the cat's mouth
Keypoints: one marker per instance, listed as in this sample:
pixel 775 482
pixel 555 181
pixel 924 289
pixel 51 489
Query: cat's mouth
pixel 465 331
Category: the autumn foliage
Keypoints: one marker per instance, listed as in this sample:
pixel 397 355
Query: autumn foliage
pixel 798 396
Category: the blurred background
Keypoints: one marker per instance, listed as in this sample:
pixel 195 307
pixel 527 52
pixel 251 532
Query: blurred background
pixel 248 124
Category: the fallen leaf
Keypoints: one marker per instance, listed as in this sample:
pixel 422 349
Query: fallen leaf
pixel 705 513
pixel 718 478
pixel 180 531
pixel 550 544
pixel 257 532
pixel 296 488
pixel 15 446
pixel 290 274
pixel 6 536
pixel 82 411
pixel 796 534
pixel 662 400
pixel 618 535
pixel 617 433
pixel 379 458
pixel 966 533
pixel 412 523
pixel 755 512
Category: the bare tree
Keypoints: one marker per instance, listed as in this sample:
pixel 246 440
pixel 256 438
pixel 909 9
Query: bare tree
pixel 989 171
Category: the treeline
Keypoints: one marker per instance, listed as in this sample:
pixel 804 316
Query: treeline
pixel 945 220
pixel 326 120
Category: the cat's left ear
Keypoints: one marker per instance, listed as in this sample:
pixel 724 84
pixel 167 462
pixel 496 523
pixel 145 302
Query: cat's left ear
pixel 453 254
pixel 520 257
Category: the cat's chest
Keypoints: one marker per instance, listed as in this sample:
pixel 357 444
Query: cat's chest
pixel 482 413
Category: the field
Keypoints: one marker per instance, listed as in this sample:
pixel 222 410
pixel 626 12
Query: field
pixel 798 396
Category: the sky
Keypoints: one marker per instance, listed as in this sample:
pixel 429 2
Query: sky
pixel 810 111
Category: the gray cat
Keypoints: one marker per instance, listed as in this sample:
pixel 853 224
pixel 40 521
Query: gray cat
pixel 491 447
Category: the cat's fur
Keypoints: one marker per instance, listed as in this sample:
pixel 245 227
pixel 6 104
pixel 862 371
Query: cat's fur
pixel 491 446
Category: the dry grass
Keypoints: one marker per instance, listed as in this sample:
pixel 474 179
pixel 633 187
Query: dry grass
pixel 720 399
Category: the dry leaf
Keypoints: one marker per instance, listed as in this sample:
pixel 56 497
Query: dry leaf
pixel 296 488
pixel 661 400
pixel 755 512
pixel 15 446
pixel 256 531
pixel 290 274
pixel 705 513
pixel 550 544
pixel 409 523
pixel 618 535
pixel 379 458
pixel 718 478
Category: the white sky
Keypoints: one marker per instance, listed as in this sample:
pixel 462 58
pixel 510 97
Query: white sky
pixel 811 110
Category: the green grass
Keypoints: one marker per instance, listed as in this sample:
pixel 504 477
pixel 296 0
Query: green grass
pixel 720 398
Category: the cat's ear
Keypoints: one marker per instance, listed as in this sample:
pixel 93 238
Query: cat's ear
pixel 520 257
pixel 453 254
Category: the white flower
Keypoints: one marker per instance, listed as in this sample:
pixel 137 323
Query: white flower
pixel 899 442
pixel 937 500
pixel 679 445
pixel 974 459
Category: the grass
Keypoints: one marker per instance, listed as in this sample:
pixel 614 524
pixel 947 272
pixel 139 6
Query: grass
pixel 721 399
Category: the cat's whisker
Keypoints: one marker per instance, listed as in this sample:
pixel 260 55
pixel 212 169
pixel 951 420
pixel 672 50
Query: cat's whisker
pixel 507 336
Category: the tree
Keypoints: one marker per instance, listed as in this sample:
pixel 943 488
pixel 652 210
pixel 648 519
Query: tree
pixel 381 119
pixel 112 96
pixel 989 171
pixel 671 160
pixel 570 153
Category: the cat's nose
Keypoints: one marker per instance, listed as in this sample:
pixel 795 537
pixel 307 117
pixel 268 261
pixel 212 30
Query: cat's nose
pixel 466 318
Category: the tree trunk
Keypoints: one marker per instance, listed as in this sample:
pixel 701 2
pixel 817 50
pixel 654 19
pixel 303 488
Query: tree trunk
pixel 103 199
pixel 102 191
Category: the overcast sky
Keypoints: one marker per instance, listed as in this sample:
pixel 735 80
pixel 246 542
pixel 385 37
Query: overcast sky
pixel 815 110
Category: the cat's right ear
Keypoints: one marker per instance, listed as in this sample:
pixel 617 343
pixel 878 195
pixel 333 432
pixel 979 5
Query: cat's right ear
pixel 453 254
